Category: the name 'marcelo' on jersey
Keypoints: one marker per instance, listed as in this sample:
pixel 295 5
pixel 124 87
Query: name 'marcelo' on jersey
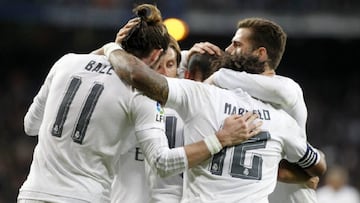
pixel 246 172
pixel 281 92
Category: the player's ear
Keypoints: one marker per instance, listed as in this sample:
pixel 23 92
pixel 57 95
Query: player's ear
pixel 262 53
pixel 155 57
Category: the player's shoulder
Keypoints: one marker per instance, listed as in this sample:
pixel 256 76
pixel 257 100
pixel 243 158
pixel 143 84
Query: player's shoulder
pixel 186 84
pixel 71 56
pixel 140 99
pixel 171 112
pixel 286 79
pixel 71 61
pixel 76 56
pixel 288 82
pixel 281 120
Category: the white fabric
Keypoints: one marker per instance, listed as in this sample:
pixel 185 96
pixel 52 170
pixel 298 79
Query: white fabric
pixel 213 144
pixel 347 194
pixel 110 47
pixel 283 93
pixel 32 197
pixel 132 181
pixel 66 166
pixel 203 108
pixel 29 201
pixel 167 189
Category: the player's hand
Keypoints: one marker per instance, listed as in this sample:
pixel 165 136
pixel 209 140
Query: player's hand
pixel 237 129
pixel 124 31
pixel 312 182
pixel 205 47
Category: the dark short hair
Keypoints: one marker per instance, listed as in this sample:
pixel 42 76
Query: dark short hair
pixel 149 34
pixel 240 62
pixel 268 34
pixel 201 63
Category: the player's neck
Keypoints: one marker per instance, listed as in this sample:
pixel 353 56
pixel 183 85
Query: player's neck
pixel 268 71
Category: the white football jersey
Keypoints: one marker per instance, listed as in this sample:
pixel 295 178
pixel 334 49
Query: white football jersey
pixel 134 174
pixel 130 183
pixel 83 115
pixel 284 93
pixel 280 91
pixel 168 189
pixel 244 173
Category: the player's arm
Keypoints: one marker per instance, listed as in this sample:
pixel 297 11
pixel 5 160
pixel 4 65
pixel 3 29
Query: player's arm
pixel 317 169
pixel 202 48
pixel 34 116
pixel 299 151
pixel 236 129
pixel 266 89
pixel 166 161
pixel 155 86
pixel 310 166
pixel 263 87
pixel 136 73
pixel 293 173
pixel 123 32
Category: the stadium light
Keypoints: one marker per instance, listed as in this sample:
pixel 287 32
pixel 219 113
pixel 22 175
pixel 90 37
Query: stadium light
pixel 177 28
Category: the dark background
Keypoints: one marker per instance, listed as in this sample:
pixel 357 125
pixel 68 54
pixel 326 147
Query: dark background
pixel 321 55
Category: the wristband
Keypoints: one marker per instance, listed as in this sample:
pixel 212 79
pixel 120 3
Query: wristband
pixel 110 47
pixel 213 144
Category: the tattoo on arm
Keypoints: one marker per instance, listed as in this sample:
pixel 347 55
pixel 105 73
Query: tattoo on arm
pixel 139 75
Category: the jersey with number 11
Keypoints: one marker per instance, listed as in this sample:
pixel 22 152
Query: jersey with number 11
pixel 83 115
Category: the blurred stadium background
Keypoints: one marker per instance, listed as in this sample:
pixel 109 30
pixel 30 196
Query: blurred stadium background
pixel 322 54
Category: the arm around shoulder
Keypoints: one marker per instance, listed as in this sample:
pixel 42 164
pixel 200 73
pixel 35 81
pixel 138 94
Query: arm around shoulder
pixel 294 173
pixel 136 73
pixel 319 168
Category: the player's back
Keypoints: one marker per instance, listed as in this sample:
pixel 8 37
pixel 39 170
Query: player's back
pixel 85 125
pixel 130 183
pixel 246 172
pixel 283 92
